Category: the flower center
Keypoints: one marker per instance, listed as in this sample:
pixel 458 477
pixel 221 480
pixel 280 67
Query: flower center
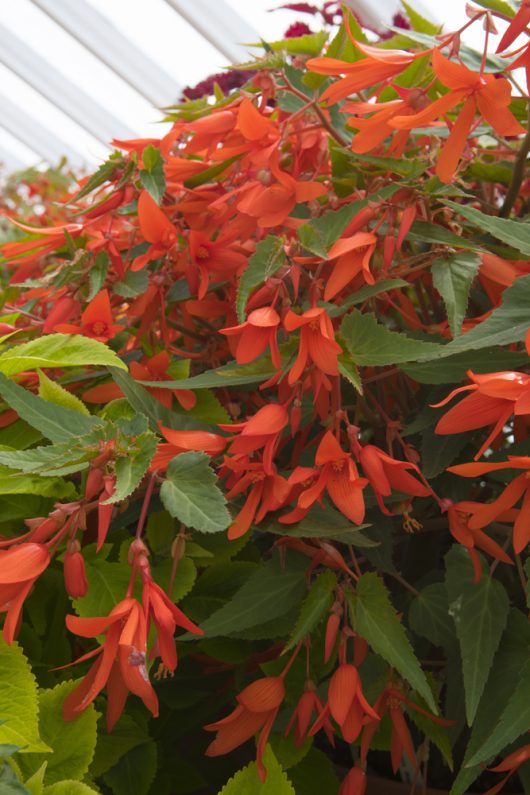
pixel 100 328
pixel 203 253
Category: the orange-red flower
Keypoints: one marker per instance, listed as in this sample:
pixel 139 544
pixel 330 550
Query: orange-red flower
pixel 308 703
pixel 218 258
pixel 267 491
pixel 346 704
pixel 495 397
pixel 156 228
pixel 517 26
pixel 386 474
pixel 96 321
pixel 20 566
pixel 184 441
pixel 459 515
pixel 255 335
pixel 509 765
pixel 121 664
pixel 354 783
pixel 378 65
pixel 75 579
pixel 258 705
pixel 261 432
pixel 352 255
pixel 519 487
pixel 166 617
pixel 335 473
pixel 480 92
pixel 317 342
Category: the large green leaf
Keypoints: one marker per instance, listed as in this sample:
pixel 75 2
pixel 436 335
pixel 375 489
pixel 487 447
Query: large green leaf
pixel 133 774
pixel 190 495
pixel 58 350
pixel 268 257
pixel 371 343
pixel 72 742
pixel 56 423
pixel 19 709
pixel 377 622
pixel 16 483
pixel 71 787
pixel 152 175
pixel 56 459
pixel 454 368
pixel 266 595
pixel 126 735
pixel 508 665
pixel 364 294
pixel 131 468
pixel 316 604
pixel 429 616
pixel 515 233
pixel 321 522
pixel 452 277
pixel 107 584
pixel 55 393
pixel 248 782
pixel 480 611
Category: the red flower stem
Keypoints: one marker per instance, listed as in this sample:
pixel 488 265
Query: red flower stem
pixel 145 505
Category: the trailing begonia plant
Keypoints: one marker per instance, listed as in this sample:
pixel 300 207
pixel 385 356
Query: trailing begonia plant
pixel 265 387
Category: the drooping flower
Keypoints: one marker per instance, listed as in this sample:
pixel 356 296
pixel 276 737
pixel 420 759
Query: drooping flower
pixel 317 342
pixel 336 473
pixel 96 321
pixel 184 441
pixel 494 398
pixel 308 703
pixel 480 92
pixel 20 566
pixel 258 706
pixel 120 665
pixel 352 257
pixel 267 491
pixel 519 487
pixel 75 579
pixel 156 228
pixel 260 432
pixel 472 538
pixel 509 765
pixel 386 474
pixel 354 783
pixel 255 335
pixel 517 26
pixel 346 704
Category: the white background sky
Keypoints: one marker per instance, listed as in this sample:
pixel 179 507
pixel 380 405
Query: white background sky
pixel 154 28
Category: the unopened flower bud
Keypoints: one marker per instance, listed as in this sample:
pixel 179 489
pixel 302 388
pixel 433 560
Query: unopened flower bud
pixel 75 579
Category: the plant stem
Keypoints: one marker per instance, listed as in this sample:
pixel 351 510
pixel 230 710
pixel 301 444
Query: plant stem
pixel 518 174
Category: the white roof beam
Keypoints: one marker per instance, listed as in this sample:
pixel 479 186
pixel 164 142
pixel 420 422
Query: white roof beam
pixel 38 138
pixel 219 24
pixel 53 85
pixel 10 162
pixel 100 37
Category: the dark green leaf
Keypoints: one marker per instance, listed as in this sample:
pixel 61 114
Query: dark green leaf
pixel 364 294
pixel 133 774
pixel 267 594
pixel 152 176
pixel 453 368
pixel 515 233
pixel 316 604
pixel 452 277
pixel 98 274
pixel 371 343
pixel 480 611
pixel 377 622
pixel 425 232
pixel 131 468
pixel 190 495
pixel 268 257
pixel 135 283
pixel 429 616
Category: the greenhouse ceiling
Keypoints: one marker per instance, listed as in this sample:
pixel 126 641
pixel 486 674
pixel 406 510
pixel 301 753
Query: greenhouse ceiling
pixel 75 75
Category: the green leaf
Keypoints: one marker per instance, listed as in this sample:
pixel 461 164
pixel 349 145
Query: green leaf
pixel 418 22
pixel 14 483
pixel 362 295
pixel 134 283
pixel 514 233
pixel 497 5
pixel 104 173
pixel 72 742
pixel 267 594
pixel 9 783
pixel 454 368
pixel 107 583
pixel 308 44
pixel 58 350
pixel 321 522
pixel 133 774
pixel 349 370
pixel 268 257
pixel 377 622
pixel 248 782
pixel 425 232
pixel 452 277
pixel 18 701
pixel 437 734
pixel 429 616
pixel 69 788
pixel 131 468
pixel 55 393
pixel 513 722
pixel 35 783
pixel 56 423
pixel 480 611
pixel 190 495
pixel 508 665
pixel 371 343
pixel 439 452
pixel 315 773
pixel 126 735
pixel 152 176
pixel 316 604
pixel 55 459
pixel 98 274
